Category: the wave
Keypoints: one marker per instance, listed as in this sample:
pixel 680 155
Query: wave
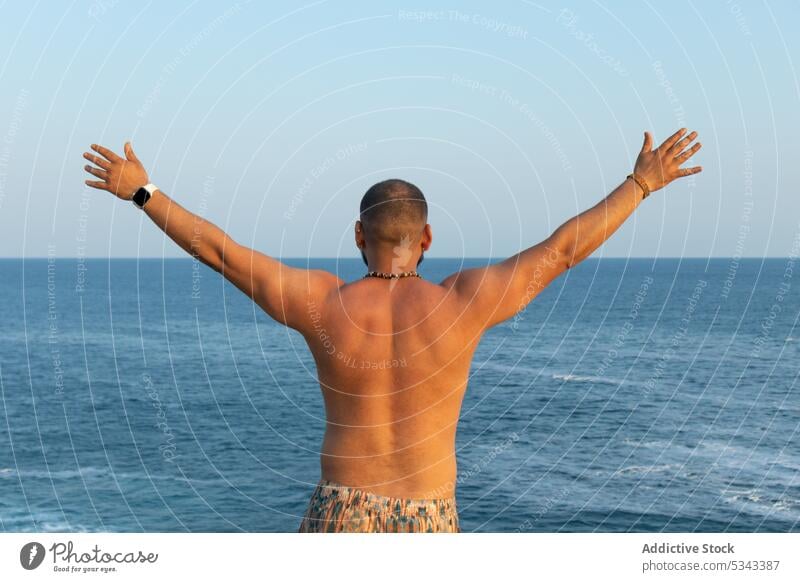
pixel 41 521
pixel 54 474
pixel 522 369
pixel 586 379
pixel 97 473
pixel 654 444
pixel 762 501
pixel 495 366
pixel 634 470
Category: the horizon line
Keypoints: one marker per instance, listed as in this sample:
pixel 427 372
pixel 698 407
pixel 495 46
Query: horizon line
pixel 503 257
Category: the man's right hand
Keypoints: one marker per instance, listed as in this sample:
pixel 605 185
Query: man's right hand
pixel 120 176
pixel 661 166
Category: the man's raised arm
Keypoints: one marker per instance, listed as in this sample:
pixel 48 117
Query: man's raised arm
pixel 282 291
pixel 495 293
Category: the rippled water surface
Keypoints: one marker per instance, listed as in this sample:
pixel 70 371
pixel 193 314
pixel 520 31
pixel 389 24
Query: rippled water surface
pixel 632 395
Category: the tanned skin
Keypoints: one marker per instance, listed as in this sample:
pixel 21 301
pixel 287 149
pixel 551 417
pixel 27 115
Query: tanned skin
pixel 393 356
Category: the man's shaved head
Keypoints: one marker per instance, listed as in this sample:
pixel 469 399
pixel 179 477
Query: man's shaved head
pixel 393 210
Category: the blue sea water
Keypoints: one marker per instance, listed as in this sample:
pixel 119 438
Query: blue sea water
pixel 631 395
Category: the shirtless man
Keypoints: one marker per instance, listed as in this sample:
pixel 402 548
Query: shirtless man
pixel 389 447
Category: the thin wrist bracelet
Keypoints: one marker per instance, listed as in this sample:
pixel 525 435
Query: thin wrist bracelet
pixel 642 184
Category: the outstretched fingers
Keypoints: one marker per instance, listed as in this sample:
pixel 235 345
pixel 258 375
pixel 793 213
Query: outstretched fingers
pixel 96 172
pixel 100 185
pixel 678 147
pixel 690 171
pixel 106 153
pixel 682 157
pixel 681 144
pixel 97 160
pixel 100 172
pixel 672 140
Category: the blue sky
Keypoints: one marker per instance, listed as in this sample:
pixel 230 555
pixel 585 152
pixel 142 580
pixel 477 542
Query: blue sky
pixel 273 119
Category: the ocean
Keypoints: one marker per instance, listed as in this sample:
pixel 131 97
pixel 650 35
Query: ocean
pixel 631 395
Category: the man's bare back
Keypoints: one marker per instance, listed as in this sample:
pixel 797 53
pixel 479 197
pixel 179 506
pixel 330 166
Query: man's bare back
pixel 393 355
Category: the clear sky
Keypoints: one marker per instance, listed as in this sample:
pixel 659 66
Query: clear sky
pixel 272 119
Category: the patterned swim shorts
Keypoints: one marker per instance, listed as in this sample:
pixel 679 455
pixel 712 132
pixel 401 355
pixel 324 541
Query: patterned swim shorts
pixel 336 508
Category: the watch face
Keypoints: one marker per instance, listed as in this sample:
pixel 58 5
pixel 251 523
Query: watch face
pixel 141 197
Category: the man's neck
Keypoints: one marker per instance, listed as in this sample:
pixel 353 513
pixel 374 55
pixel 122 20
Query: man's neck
pixel 388 267
pixel 391 265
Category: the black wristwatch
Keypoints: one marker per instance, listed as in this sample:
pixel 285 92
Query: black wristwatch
pixel 143 194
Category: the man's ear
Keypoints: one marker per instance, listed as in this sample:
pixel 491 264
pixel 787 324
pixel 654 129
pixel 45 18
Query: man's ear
pixel 359 234
pixel 427 237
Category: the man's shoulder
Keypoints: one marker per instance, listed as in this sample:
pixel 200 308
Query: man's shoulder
pixel 321 282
